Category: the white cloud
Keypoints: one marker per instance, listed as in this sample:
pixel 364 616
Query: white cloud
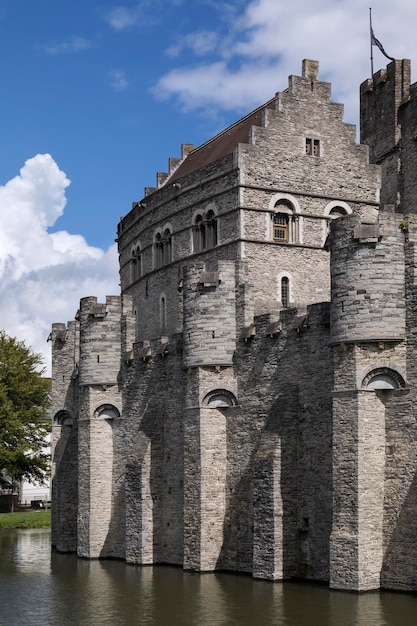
pixel 72 44
pixel 268 42
pixel 199 43
pixel 141 14
pixel 122 17
pixel 43 275
pixel 118 80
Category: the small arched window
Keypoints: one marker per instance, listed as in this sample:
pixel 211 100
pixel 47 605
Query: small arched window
pixel 162 248
pixel 63 418
pixel 133 266
pixel 167 247
pixel 199 234
pixel 158 251
pixel 204 231
pixel 383 378
pixel 382 381
pixel 281 227
pixel 285 227
pixel 163 313
pixel 211 229
pixel 337 211
pixel 138 262
pixel 285 292
pixel 220 398
pixel 107 412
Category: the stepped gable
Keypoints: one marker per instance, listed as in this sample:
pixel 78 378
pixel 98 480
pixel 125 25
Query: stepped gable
pixel 222 144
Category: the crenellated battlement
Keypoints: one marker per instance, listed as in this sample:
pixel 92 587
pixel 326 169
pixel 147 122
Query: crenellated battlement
pixel 248 402
pixel 209 314
pixel 100 340
pixel 381 99
pixel 367 270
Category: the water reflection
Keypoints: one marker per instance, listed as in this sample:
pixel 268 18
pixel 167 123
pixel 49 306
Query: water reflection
pixel 40 589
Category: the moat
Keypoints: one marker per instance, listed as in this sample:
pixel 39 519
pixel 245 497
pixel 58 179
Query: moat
pixel 38 588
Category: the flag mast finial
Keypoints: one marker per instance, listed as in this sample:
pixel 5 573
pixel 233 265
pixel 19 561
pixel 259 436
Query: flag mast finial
pixel 370 39
pixel 377 43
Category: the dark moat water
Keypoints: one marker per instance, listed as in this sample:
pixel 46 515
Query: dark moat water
pixel 38 588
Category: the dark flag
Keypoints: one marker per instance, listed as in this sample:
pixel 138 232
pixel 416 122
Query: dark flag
pixel 378 44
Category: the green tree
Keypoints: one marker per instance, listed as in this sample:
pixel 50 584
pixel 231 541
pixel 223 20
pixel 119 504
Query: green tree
pixel 24 402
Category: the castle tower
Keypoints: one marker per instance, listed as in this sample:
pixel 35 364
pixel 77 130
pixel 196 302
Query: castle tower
pixel 381 98
pixel 367 332
pixel 209 345
pixel 64 407
pixel 99 425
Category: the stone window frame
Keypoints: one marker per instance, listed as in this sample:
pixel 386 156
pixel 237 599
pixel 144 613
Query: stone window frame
pixel 285 292
pixel 136 266
pixel 204 229
pixel 381 371
pixel 163 312
pixel 286 204
pixel 63 418
pixel 162 246
pixel 107 412
pixel 228 399
pixel 281 227
pixel 312 146
pixel 282 276
pixel 330 206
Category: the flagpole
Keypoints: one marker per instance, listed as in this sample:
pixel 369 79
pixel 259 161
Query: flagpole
pixel 370 39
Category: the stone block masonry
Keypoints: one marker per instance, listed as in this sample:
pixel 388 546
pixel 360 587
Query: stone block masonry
pixel 247 403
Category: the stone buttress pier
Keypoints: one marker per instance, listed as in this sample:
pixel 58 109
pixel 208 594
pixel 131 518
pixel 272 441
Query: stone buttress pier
pixel 367 333
pixel 209 345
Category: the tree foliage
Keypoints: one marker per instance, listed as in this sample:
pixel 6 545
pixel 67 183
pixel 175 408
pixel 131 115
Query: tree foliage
pixel 24 402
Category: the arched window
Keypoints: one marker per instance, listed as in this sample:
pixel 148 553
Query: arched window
pixel 204 231
pixel 63 418
pixel 285 226
pixel 138 262
pixel 162 248
pixel 285 292
pixel 220 398
pixel 198 234
pixel 167 247
pixel 163 313
pixel 107 412
pixel 383 378
pixel 332 211
pixel 211 229
pixel 281 227
pixel 158 251
pixel 337 211
pixel 133 266
pixel 382 381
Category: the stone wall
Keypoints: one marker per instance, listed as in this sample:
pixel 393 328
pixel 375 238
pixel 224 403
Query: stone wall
pixel 202 422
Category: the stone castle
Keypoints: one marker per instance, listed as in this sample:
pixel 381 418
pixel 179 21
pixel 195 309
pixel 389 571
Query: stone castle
pixel 248 402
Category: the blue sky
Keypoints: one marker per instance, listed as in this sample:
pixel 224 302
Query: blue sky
pixel 110 91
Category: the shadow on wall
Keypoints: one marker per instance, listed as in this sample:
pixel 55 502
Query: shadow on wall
pixel 279 454
pixel 278 520
pixel 65 485
pixel 399 569
pixel 114 545
pixel 260 528
pixel 154 470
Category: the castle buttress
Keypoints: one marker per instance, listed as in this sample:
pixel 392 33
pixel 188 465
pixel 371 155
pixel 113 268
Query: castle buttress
pixel 247 402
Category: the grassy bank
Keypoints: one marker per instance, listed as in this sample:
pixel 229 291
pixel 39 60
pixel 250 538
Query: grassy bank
pixel 31 519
